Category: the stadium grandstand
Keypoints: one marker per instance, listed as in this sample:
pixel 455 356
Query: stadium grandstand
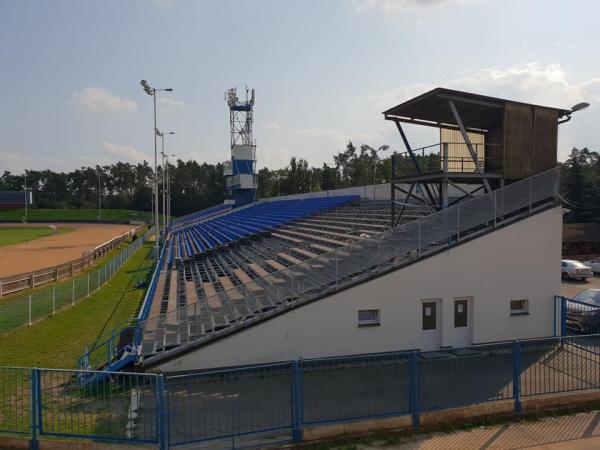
pixel 211 258
pixel 308 275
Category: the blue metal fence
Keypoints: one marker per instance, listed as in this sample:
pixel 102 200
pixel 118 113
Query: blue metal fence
pixel 274 403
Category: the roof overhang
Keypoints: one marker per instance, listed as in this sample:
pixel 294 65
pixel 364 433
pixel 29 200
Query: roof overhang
pixel 479 113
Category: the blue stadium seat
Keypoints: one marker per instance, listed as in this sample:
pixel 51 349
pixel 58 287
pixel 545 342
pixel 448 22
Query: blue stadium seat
pixel 217 227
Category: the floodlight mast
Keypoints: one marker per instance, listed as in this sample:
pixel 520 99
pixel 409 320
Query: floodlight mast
pixel 164 198
pixel 382 148
pixel 152 92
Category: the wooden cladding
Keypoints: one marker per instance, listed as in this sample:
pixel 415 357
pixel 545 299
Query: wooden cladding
pixel 530 139
pixel 459 157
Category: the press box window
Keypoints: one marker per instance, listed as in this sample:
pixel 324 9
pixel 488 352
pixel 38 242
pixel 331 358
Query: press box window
pixel 519 307
pixel 368 317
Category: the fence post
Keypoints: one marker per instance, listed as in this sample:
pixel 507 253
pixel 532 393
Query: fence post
pixel 73 293
pixel 33 406
pixel 530 196
pixel 516 351
pixel 419 239
pixel 88 294
pixel 161 413
pixel 457 224
pixel 563 316
pixel 414 388
pixel 53 299
pixel 297 401
pixel 0 289
pixel 336 267
pixel 495 209
pixel 29 309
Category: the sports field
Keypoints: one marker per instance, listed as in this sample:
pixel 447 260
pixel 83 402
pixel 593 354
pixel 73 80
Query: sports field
pixel 17 234
pixel 57 215
pixel 56 249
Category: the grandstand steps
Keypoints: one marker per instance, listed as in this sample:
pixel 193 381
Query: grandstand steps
pixel 310 237
pixel 172 296
pixel 258 270
pixel 355 227
pixel 318 231
pixel 247 281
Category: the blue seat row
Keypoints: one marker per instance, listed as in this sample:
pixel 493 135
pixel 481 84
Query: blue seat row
pixel 196 237
pixel 199 215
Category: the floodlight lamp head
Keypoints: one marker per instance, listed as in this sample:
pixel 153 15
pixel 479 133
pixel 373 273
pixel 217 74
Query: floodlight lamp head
pixel 147 87
pixel 579 106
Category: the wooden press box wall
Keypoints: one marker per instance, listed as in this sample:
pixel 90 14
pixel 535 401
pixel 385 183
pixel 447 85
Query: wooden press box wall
pixel 530 139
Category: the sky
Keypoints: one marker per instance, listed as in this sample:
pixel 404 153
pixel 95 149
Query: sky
pixel 323 71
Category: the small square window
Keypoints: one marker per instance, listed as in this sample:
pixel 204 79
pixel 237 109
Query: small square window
pixel 368 317
pixel 519 307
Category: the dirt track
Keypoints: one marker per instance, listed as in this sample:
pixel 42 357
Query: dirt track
pixel 52 250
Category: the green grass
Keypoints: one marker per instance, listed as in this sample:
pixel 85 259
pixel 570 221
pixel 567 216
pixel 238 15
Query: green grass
pixel 59 340
pixel 51 215
pixel 16 235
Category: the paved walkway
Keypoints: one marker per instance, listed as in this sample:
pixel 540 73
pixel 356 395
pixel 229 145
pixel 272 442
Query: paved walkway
pixel 574 432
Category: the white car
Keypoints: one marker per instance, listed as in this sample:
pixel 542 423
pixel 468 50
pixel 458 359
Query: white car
pixel 594 264
pixel 574 270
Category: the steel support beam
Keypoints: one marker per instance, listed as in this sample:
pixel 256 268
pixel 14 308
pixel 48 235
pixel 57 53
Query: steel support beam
pixel 465 136
pixel 412 185
pixel 413 158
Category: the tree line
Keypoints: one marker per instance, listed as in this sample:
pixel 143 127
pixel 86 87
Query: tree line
pixel 196 186
pixel 580 186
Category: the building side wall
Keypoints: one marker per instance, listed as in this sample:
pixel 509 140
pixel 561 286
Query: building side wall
pixel 519 261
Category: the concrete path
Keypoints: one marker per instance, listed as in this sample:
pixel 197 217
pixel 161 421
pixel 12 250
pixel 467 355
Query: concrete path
pixel 574 432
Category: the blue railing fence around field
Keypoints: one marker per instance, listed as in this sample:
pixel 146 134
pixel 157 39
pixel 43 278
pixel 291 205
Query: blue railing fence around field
pixel 274 403
pixel 120 347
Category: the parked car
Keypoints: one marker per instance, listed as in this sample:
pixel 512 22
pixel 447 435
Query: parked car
pixel 594 264
pixel 574 270
pixel 583 315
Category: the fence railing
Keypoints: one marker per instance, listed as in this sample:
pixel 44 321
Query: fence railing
pixel 122 344
pixel 46 301
pixel 275 403
pixel 31 280
pixel 576 317
pixel 350 264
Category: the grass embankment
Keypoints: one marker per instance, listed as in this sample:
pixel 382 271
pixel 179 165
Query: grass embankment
pixel 16 235
pixel 57 215
pixel 59 340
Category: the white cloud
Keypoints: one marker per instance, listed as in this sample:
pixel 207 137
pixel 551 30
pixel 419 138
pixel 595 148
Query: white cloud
pixel 128 152
pixel 392 6
pixel 97 99
pixel 170 102
pixel 13 162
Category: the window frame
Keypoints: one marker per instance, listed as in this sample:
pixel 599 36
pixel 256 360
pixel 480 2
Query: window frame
pixel 369 322
pixel 521 311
